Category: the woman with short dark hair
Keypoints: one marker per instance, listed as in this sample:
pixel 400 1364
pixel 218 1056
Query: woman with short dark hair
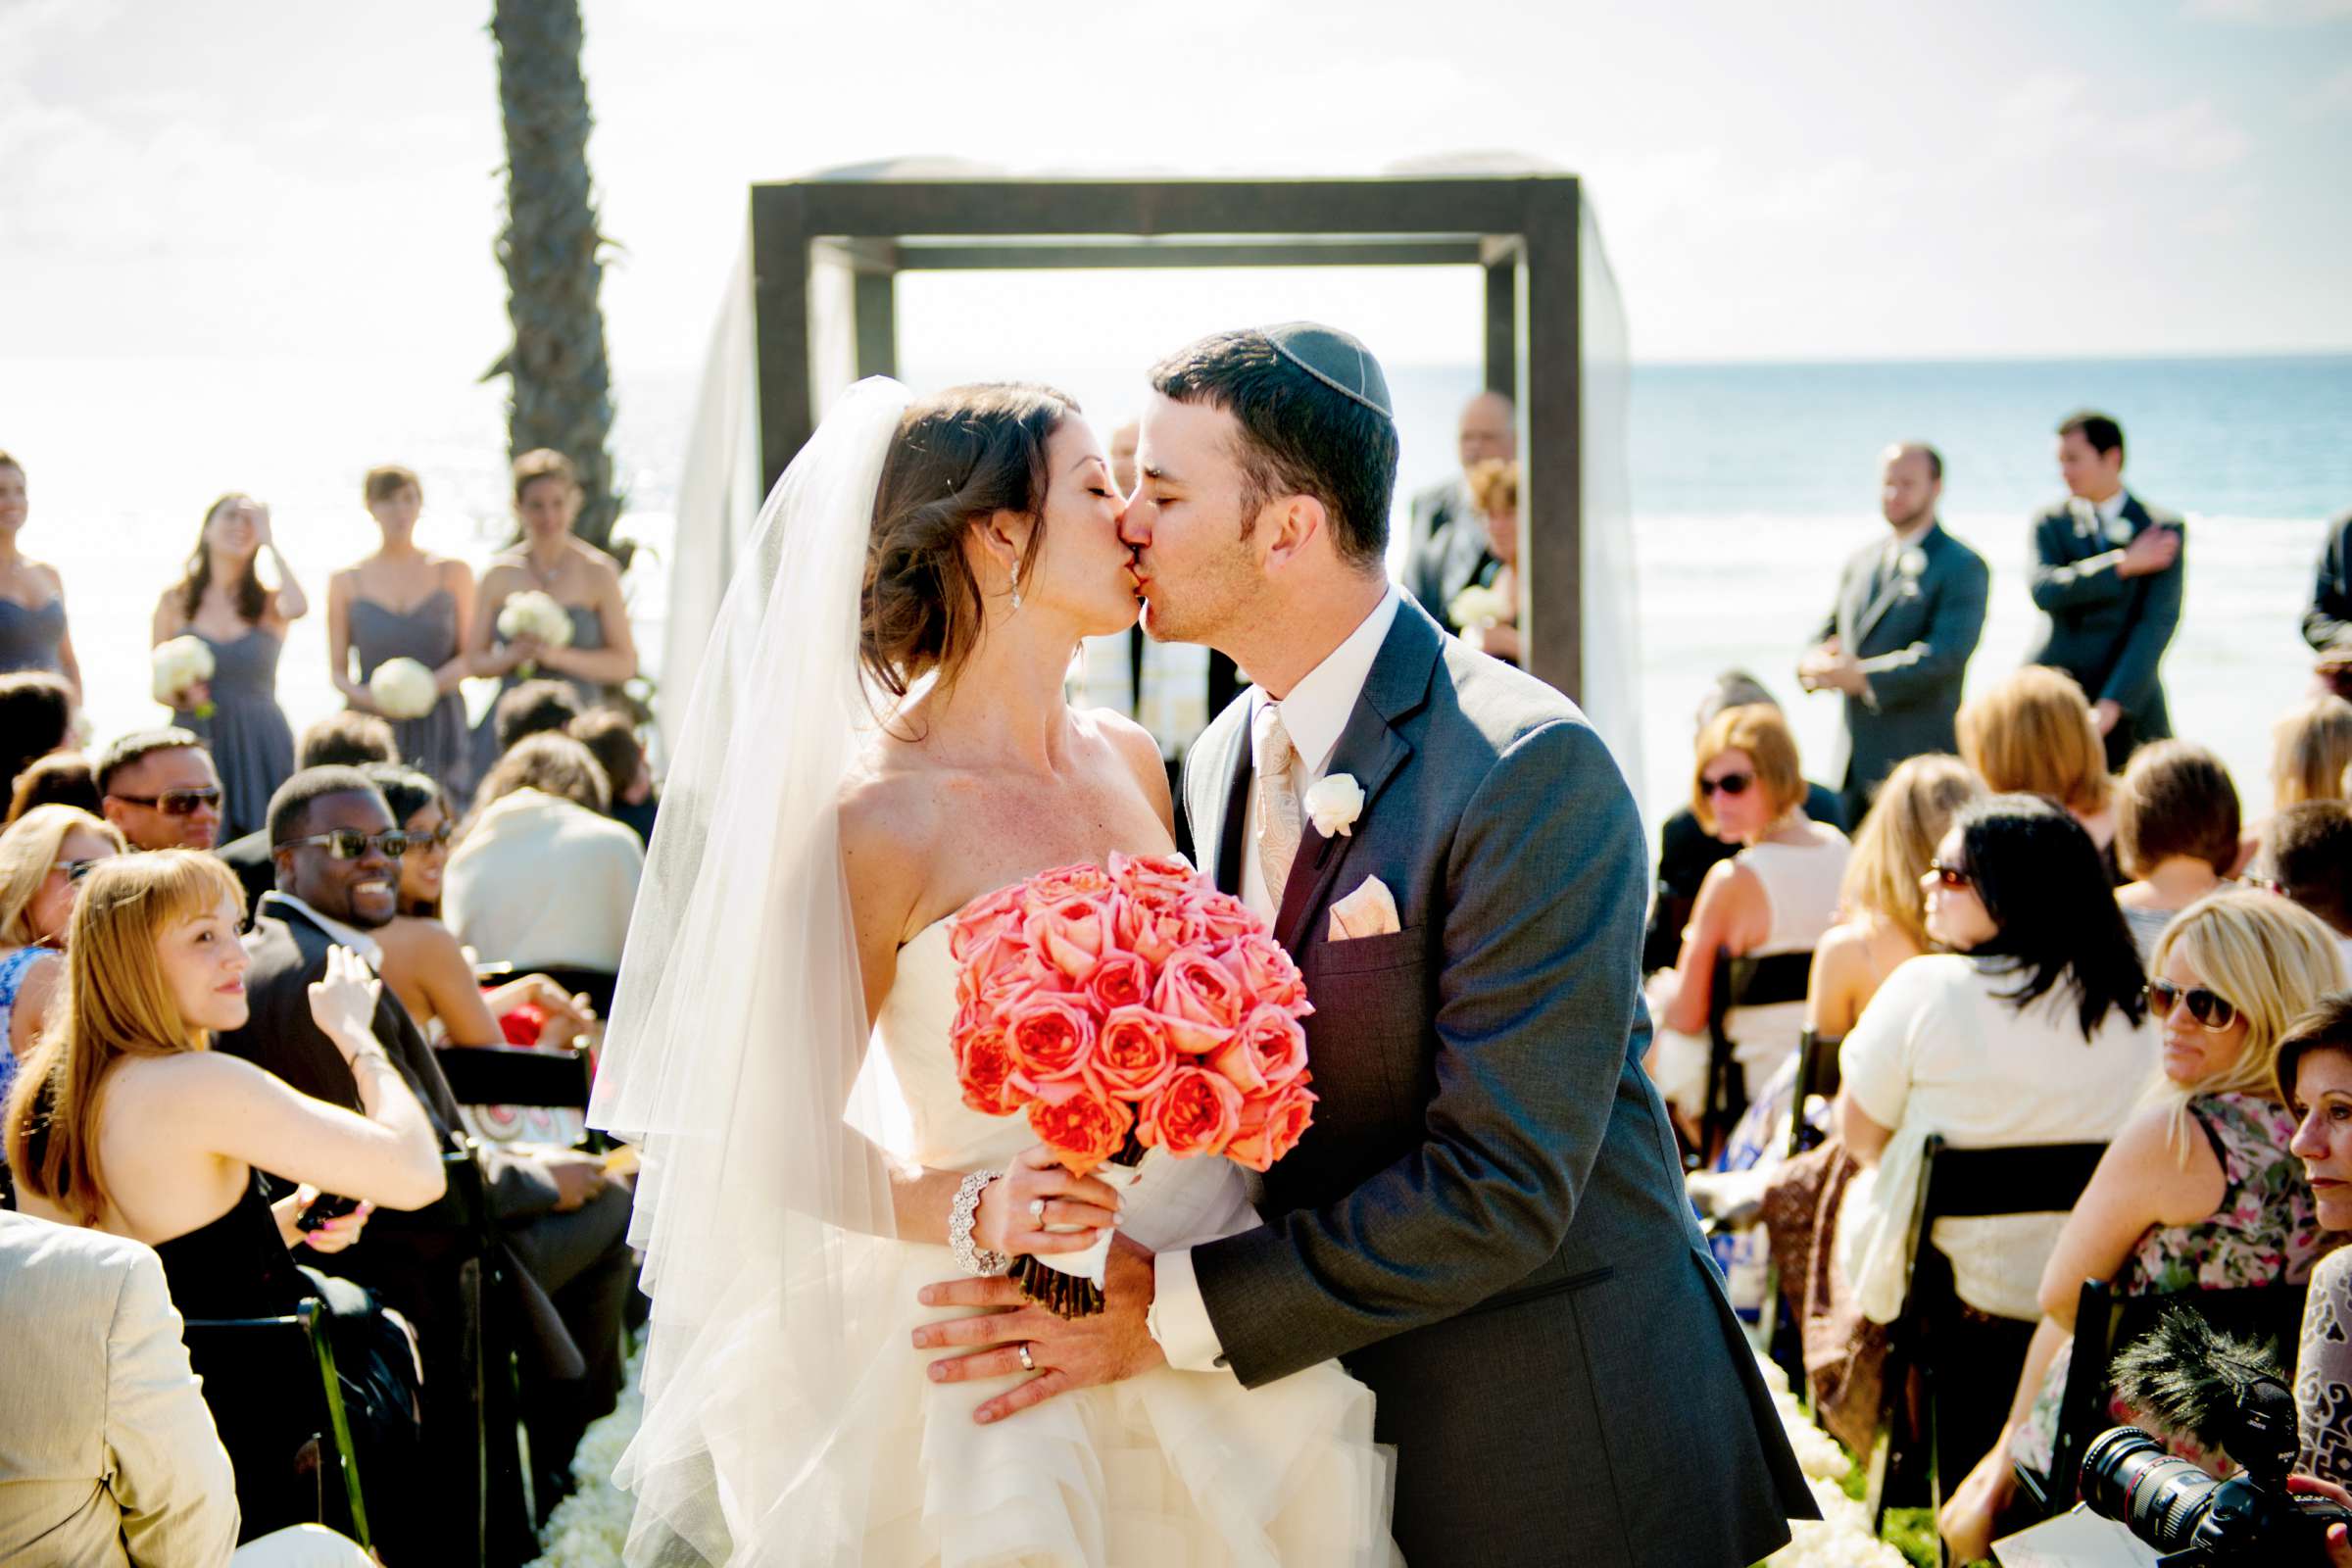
pixel 2176 834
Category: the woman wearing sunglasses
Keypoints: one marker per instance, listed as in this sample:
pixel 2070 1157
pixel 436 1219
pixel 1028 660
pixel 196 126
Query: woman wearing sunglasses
pixel 2199 1191
pixel 1777 895
pixel 2026 1029
pixel 43 857
pixel 422 961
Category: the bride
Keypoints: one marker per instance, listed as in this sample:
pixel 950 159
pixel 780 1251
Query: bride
pixel 878 736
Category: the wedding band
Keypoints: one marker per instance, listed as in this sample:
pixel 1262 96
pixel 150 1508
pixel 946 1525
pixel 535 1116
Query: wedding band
pixel 1028 1361
pixel 1037 1208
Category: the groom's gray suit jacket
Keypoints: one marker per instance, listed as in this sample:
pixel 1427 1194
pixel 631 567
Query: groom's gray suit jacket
pixel 1487 1221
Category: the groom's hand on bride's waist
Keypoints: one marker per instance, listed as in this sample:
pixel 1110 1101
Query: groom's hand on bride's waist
pixel 1112 1344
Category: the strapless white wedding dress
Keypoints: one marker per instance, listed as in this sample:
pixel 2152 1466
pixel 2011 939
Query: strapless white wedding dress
pixel 1167 1470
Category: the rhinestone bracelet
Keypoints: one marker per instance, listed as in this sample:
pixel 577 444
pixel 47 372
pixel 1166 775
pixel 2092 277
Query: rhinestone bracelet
pixel 970 1257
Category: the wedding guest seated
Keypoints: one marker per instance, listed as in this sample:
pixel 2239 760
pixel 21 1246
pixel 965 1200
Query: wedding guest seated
pixel 2176 834
pixel 534 707
pixel 36 718
pixel 2034 734
pixel 612 735
pixel 158 786
pixel 2315 1079
pixel 555 1210
pixel 2199 1189
pixel 1687 852
pixel 2311 756
pixel 62 779
pixel 1777 895
pixel 128 1122
pixel 346 739
pixel 110 1457
pixel 541 878
pixel 2309 859
pixel 43 859
pixel 1881 909
pixel 2027 1030
pixel 422 961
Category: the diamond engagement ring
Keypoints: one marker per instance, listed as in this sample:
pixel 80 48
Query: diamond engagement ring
pixel 1028 1361
pixel 1037 1208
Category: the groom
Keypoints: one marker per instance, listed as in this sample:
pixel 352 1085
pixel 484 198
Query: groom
pixel 1486 1222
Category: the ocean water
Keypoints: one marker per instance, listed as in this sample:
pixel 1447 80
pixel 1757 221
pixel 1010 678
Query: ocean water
pixel 1750 484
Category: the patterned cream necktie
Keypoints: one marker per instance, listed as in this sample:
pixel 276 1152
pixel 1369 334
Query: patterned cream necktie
pixel 1278 820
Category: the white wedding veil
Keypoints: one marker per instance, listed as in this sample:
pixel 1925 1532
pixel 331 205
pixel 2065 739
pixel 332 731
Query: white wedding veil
pixel 735 1044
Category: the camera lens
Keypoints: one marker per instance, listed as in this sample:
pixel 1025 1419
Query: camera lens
pixel 2128 1477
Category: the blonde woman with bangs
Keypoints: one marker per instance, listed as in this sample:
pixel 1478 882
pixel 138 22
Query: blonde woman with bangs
pixel 43 857
pixel 2200 1189
pixel 126 1121
pixel 1882 912
pixel 2034 734
pixel 1777 895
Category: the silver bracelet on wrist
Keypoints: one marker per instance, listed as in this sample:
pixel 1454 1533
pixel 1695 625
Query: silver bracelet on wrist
pixel 970 1257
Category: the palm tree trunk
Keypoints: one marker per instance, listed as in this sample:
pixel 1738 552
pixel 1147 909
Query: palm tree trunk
pixel 560 386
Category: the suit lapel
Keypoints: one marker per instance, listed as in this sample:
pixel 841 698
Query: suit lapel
pixel 1371 747
pixel 1233 816
pixel 1890 588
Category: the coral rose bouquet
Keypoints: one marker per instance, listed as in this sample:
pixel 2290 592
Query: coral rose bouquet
pixel 1129 1013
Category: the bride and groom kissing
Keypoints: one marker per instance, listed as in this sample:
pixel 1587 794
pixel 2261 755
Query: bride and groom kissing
pixel 1468 1320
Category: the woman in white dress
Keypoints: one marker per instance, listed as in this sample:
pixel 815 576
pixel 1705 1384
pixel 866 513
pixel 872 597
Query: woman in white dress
pixel 878 736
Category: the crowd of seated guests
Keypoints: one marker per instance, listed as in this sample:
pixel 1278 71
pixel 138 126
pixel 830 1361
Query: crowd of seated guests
pixel 220 1092
pixel 2027 949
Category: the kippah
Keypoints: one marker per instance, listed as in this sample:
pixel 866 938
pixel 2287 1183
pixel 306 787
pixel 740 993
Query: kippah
pixel 1335 358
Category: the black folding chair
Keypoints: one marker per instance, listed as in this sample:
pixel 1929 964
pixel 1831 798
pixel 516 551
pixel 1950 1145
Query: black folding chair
pixel 1815 1074
pixel 515 1075
pixel 1740 982
pixel 220 1348
pixel 2106 1322
pixel 1955 1184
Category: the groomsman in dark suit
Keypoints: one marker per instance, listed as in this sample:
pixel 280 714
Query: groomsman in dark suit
pixel 2108 572
pixel 1449 541
pixel 2328 623
pixel 1910 608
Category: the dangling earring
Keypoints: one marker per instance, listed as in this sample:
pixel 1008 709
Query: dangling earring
pixel 1016 585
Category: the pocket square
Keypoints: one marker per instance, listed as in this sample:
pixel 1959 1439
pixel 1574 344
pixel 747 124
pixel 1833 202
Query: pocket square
pixel 1369 912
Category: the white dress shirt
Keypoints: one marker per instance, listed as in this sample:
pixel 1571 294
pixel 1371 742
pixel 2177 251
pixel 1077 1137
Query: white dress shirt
pixel 1315 711
pixel 350 936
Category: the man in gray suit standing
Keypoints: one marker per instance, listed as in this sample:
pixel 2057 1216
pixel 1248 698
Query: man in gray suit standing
pixel 2108 573
pixel 1486 1221
pixel 1910 608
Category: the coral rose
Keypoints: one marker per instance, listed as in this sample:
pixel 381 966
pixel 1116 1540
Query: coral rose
pixel 1197 1113
pixel 1199 999
pixel 1052 1036
pixel 1224 918
pixel 1267 972
pixel 1062 884
pixel 1268 1049
pixel 1132 1055
pixel 1120 980
pixel 1154 873
pixel 985 923
pixel 1271 1124
pixel 986 1070
pixel 1082 1128
pixel 1070 936
pixel 1154 925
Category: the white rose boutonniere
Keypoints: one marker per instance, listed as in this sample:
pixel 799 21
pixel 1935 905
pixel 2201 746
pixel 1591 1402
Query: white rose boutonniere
pixel 2119 529
pixel 1335 803
pixel 1912 562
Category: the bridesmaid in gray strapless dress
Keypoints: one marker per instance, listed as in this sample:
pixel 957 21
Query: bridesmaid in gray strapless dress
pixel 429 634
pixel 587 631
pixel 29 638
pixel 251 742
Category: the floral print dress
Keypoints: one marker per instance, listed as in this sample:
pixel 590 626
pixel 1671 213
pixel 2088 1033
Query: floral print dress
pixel 2266 1232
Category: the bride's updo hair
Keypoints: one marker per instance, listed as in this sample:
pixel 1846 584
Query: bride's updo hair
pixel 959 457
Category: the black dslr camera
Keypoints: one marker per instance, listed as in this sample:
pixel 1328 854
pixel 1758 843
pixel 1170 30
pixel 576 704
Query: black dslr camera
pixel 2229 1394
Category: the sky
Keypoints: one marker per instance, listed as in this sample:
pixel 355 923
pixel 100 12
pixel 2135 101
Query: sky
pixel 1802 181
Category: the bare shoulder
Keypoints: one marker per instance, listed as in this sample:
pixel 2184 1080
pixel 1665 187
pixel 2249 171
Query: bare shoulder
pixel 889 816
pixel 188 1081
pixel 1134 744
pixel 505 572
pixel 453 573
pixel 412 939
pixel 47 577
pixel 600 566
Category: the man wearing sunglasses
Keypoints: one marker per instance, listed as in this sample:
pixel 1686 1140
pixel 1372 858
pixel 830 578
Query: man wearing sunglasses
pixel 336 849
pixel 159 787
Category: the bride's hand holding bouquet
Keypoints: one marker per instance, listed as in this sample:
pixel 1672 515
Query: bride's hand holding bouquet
pixel 1038 1207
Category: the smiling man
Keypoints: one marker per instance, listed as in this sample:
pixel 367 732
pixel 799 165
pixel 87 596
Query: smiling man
pixel 335 846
